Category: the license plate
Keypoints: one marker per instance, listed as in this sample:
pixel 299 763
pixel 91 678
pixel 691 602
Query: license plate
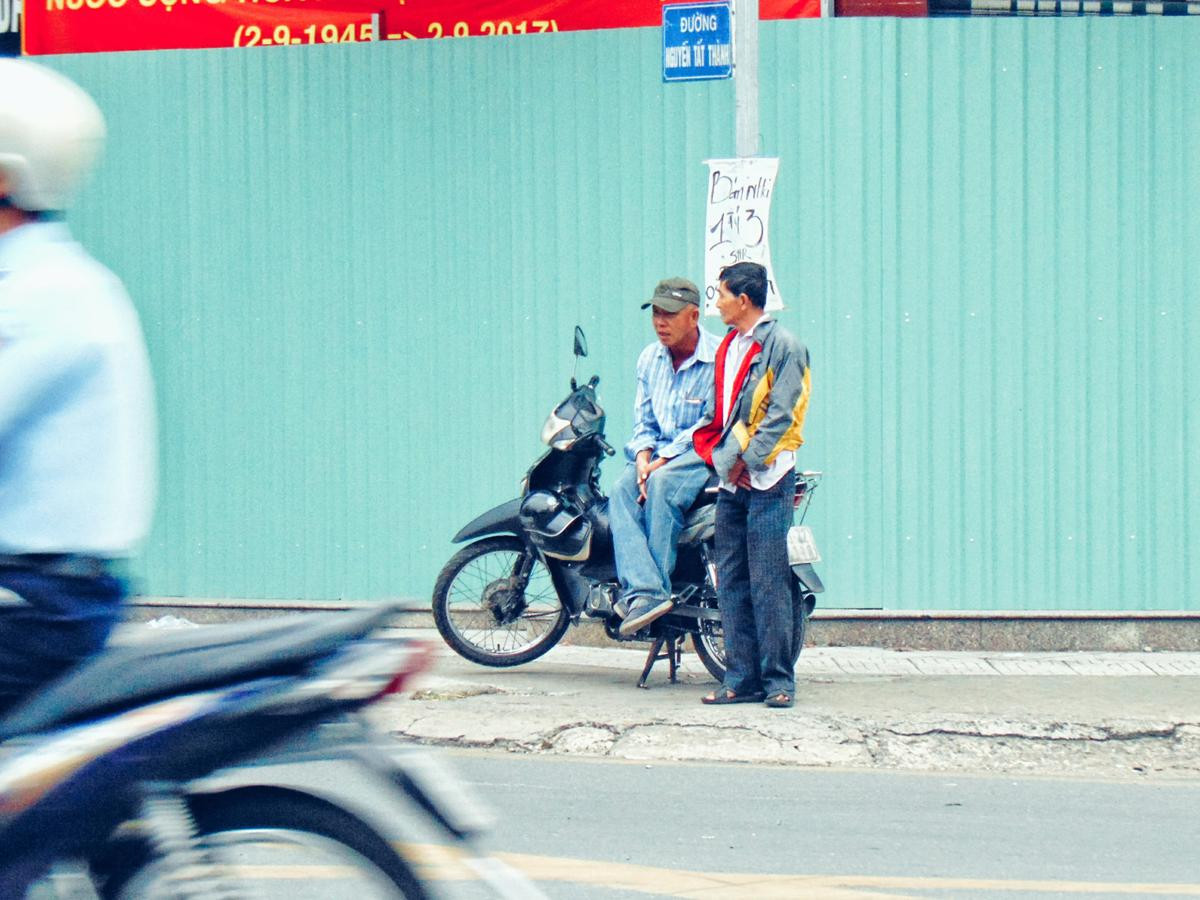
pixel 802 546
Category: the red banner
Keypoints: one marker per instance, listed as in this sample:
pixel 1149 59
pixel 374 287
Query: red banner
pixel 84 26
pixel 464 18
pixel 87 26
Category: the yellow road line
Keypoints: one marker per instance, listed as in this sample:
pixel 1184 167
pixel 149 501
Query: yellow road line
pixel 435 862
pixel 445 863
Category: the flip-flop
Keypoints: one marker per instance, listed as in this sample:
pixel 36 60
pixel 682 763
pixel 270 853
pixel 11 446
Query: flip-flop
pixel 721 698
pixel 782 700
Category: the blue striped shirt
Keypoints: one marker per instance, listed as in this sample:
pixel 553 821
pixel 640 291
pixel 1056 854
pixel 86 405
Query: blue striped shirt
pixel 671 401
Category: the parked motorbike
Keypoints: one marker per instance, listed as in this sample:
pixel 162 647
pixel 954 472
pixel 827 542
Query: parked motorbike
pixel 545 559
pixel 209 762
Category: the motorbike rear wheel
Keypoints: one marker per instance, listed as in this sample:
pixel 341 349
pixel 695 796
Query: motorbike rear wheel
pixel 709 641
pixel 488 619
pixel 256 838
pixel 709 644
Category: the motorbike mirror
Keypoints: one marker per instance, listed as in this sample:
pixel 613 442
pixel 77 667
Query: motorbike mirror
pixel 580 342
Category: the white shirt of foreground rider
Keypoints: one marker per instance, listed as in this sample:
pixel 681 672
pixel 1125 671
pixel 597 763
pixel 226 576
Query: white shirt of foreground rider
pixel 77 426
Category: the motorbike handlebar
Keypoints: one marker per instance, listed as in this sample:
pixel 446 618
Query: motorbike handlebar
pixel 591 382
pixel 605 446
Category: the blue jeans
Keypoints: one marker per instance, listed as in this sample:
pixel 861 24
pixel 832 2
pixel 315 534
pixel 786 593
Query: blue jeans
pixel 52 624
pixel 644 534
pixel 754 588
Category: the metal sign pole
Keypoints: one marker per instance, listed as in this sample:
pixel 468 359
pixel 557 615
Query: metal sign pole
pixel 745 75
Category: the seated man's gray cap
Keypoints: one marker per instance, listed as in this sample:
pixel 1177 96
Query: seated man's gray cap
pixel 673 294
pixel 50 134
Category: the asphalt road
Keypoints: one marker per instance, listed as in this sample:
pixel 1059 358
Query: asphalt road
pixel 838 835
pixel 613 830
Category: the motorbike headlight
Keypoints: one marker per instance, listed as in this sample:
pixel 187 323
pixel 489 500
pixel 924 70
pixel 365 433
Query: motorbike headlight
pixel 554 426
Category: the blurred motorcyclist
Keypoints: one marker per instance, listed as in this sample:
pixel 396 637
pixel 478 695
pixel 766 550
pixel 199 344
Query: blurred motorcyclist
pixel 77 430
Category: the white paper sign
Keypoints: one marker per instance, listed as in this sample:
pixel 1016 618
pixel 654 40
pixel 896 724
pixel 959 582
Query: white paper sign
pixel 738 221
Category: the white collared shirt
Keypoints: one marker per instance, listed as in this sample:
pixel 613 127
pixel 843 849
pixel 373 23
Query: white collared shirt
pixel 735 353
pixel 77 429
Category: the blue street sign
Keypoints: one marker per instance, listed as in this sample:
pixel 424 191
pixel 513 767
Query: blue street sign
pixel 697 41
pixel 10 27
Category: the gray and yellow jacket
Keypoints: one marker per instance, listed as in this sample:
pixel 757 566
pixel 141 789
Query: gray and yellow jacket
pixel 770 400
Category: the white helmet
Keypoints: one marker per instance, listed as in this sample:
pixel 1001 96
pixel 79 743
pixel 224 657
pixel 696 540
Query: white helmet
pixel 50 134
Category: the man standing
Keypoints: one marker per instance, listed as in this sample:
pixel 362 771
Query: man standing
pixel 760 400
pixel 664 475
pixel 77 447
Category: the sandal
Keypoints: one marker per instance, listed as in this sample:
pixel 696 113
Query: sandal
pixel 781 700
pixel 719 699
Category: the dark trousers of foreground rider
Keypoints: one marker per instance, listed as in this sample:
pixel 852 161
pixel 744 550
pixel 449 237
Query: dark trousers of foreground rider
pixel 55 610
pixel 755 583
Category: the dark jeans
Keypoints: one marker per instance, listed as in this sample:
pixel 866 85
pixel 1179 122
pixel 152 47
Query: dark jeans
pixel 53 623
pixel 754 588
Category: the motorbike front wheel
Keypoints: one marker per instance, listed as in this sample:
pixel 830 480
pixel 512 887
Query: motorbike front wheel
pixel 278 844
pixel 484 611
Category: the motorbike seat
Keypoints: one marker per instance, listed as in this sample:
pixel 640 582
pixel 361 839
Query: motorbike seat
pixel 700 518
pixel 196 659
pixel 707 495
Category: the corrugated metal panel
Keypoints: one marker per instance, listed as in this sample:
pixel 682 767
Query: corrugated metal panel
pixel 360 265
pixel 994 220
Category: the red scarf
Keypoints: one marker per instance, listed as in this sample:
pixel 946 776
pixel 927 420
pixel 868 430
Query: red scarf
pixel 705 439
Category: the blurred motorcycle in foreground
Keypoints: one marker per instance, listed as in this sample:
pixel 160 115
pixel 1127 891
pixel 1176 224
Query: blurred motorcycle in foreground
pixel 224 761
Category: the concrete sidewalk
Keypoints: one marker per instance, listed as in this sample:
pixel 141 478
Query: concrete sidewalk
pixel 1088 714
pixel 872 661
pixel 1110 714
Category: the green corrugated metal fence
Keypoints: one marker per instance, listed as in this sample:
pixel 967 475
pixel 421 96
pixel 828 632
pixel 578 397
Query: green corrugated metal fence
pixel 359 267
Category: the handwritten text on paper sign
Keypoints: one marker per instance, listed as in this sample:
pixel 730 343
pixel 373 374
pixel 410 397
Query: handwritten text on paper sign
pixel 738 220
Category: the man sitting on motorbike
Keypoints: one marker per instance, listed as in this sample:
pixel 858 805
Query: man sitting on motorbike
pixel 77 448
pixel 664 474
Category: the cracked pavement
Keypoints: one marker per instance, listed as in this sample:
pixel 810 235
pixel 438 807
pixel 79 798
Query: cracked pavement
pixel 1093 714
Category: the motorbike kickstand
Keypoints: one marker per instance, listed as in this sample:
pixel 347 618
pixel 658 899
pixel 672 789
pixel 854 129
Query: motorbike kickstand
pixel 673 654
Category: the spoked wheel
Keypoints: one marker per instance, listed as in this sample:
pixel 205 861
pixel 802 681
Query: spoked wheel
pixel 274 845
pixel 709 641
pixel 494 604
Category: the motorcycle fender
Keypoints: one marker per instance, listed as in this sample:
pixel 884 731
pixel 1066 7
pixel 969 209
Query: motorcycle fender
pixel 372 777
pixel 501 519
pixel 808 578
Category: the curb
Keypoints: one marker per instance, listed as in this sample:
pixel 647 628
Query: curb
pixel 1036 631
